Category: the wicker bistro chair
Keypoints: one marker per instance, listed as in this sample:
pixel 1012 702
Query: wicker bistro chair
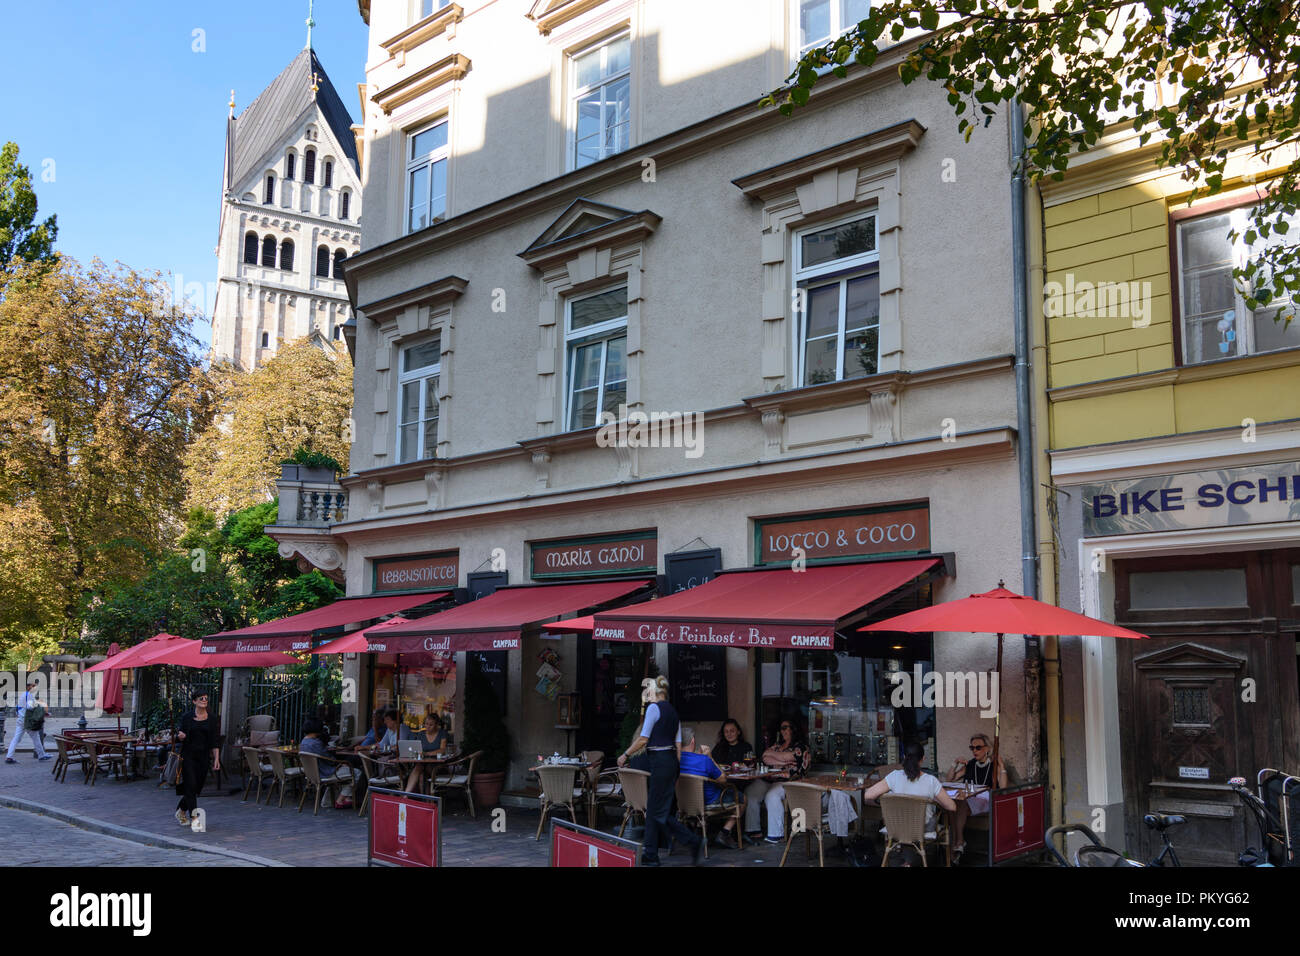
pixel 256 768
pixel 284 775
pixel 318 775
pixel 905 823
pixel 377 775
pixel 459 779
pixel 692 806
pixel 808 798
pixel 636 793
pixel 109 758
pixel 69 750
pixel 559 789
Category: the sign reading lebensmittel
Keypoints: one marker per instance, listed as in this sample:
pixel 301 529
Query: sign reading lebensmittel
pixel 1204 499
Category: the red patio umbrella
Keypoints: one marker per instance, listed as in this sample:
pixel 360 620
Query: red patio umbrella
pixel 999 612
pixel 187 654
pixel 132 656
pixel 109 698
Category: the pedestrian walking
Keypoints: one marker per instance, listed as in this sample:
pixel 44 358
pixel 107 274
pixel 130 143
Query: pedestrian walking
pixel 661 739
pixel 29 707
pixel 198 735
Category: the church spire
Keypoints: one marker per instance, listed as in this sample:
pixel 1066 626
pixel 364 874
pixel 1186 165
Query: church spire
pixel 310 22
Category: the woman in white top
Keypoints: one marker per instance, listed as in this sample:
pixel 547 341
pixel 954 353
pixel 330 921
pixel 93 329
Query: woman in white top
pixel 911 781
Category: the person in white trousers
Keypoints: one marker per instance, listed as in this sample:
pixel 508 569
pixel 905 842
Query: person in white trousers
pixel 25 700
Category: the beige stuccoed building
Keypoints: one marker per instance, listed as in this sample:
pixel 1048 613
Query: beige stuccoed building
pixel 577 207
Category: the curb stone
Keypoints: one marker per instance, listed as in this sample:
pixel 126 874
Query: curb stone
pixel 130 833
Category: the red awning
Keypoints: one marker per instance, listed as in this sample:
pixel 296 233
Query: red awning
pixel 493 623
pixel 294 633
pixel 574 625
pixel 776 609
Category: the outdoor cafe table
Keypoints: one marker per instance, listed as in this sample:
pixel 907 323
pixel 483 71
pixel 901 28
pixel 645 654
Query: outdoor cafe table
pixel 135 749
pixel 960 793
pixel 426 764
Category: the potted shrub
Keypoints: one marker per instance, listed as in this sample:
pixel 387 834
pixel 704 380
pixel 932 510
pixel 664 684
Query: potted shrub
pixel 306 465
pixel 485 731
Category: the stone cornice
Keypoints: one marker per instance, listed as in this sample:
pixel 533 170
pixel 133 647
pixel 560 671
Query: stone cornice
pixel 880 146
pixel 437 292
pixel 428 28
pixel 1204 372
pixel 549 14
pixel 449 68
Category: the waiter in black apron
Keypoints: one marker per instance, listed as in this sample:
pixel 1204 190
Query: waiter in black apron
pixel 661 739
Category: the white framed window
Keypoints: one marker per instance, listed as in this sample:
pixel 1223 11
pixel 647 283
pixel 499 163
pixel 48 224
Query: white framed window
pixel 595 341
pixel 837 301
pixel 1215 322
pixel 426 8
pixel 600 101
pixel 818 21
pixel 426 176
pixel 417 400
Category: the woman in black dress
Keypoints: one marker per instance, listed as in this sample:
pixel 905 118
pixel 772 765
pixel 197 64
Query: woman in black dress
pixel 199 734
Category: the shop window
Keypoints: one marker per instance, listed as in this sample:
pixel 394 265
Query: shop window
pixel 600 100
pixel 417 423
pixel 1215 320
pixel 837 301
pixel 1192 588
pixel 820 20
pixel 595 332
pixel 426 177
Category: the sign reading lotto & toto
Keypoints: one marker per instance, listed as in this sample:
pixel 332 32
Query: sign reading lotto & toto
pixel 844 534
pixel 1202 499
pixel 421 571
pixel 635 551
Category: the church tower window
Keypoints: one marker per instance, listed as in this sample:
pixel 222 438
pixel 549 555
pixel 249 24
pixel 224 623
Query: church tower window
pixel 250 248
pixel 309 166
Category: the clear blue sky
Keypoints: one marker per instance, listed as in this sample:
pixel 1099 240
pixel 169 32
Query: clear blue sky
pixel 134 119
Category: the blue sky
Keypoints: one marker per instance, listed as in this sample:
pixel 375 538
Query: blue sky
pixel 133 118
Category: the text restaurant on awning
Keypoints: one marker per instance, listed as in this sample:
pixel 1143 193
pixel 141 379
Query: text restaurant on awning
pixel 295 632
pixel 494 622
pixel 767 609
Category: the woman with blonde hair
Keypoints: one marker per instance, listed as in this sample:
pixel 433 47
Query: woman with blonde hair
pixel 661 739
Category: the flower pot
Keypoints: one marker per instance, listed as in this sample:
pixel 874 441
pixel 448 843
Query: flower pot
pixel 288 472
pixel 487 788
pixel 322 475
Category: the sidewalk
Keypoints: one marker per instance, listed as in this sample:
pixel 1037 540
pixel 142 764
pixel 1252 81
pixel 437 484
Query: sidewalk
pixel 139 810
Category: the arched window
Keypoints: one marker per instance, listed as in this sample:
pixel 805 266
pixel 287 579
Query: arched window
pixel 309 166
pixel 266 339
pixel 338 332
pixel 250 248
pixel 268 251
pixel 289 161
pixel 343 204
pixel 269 196
pixel 323 261
pixel 286 255
pixel 329 173
pixel 339 256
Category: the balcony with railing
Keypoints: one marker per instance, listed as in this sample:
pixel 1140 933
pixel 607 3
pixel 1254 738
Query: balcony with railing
pixel 311 501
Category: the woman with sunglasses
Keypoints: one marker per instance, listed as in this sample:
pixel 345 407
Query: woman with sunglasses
pixel 979 771
pixel 199 734
pixel 790 753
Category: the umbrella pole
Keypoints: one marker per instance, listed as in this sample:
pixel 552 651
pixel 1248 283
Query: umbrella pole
pixel 997 724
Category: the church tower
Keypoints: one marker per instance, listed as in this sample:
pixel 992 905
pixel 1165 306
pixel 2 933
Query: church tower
pixel 290 216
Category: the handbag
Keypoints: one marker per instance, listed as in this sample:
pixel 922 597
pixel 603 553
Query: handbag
pixel 171 776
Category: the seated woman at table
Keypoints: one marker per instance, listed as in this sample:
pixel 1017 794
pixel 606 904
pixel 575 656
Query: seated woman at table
pixel 433 738
pixel 977 771
pixel 692 760
pixel 377 728
pixel 790 754
pixel 731 747
pixel 912 781
pixel 315 740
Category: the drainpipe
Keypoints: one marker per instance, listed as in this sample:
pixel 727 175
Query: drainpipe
pixel 1035 704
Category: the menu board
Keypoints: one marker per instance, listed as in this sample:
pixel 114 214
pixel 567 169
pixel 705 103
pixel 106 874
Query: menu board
pixel 698 677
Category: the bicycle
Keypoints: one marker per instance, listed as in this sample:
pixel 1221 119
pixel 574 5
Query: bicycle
pixel 1096 853
pixel 1272 831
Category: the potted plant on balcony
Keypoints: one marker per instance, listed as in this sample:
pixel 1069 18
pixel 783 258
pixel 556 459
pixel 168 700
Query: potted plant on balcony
pixel 307 465
pixel 485 731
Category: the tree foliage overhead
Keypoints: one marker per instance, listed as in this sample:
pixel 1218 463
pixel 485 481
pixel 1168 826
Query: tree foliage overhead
pixel 302 398
pixel 100 392
pixel 1207 77
pixel 20 235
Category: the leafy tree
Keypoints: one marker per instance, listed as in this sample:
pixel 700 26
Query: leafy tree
pixel 100 391
pixel 302 398
pixel 1208 77
pixel 19 234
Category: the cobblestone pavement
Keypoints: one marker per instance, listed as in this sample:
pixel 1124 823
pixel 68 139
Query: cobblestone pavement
pixel 334 838
pixel 34 840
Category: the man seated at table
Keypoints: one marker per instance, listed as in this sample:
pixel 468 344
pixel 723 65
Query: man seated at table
pixel 979 772
pixel 394 731
pixel 702 765
pixel 376 730
pixel 315 740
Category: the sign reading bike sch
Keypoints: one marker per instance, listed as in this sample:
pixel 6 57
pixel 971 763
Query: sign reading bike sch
pixel 1202 499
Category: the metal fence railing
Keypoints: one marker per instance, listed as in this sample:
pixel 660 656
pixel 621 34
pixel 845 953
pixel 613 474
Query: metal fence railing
pixel 286 697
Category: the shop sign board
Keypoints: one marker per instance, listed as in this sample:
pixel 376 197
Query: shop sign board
pixel 578 846
pixel 1201 499
pixel 623 553
pixel 405 829
pixel 419 572
pixel 903 529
